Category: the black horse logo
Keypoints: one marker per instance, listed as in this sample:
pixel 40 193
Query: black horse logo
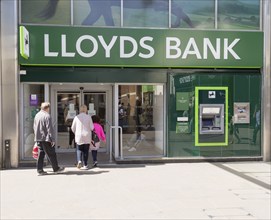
pixel 103 8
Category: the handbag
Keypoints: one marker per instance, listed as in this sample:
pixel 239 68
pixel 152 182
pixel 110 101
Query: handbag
pixel 35 151
pixel 95 138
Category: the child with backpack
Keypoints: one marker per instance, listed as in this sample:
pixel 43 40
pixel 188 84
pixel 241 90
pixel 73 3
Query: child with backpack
pixel 97 136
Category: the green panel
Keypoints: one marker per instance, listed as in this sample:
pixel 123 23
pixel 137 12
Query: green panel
pixel 249 90
pixel 132 47
pixel 210 80
pixel 102 75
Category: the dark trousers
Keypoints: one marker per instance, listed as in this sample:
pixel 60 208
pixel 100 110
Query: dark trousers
pixel 94 155
pixel 84 148
pixel 71 137
pixel 255 132
pixel 138 125
pixel 46 148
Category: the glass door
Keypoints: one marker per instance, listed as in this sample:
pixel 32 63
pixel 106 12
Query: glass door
pixel 68 104
pixel 96 103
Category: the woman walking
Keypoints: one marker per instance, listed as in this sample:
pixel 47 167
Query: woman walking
pixel 82 126
pixel 98 129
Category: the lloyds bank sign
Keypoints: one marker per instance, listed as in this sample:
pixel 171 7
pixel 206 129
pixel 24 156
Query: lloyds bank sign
pixel 128 47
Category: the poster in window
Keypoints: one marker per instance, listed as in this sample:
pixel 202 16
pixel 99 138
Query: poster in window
pixel 182 127
pixel 241 112
pixel 33 99
pixel 182 101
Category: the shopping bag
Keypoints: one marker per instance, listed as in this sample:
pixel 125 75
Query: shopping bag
pixel 35 151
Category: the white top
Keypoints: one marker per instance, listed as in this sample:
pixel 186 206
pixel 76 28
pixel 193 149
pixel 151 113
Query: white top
pixel 82 126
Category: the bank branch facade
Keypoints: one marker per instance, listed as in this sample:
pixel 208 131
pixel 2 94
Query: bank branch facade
pixel 165 83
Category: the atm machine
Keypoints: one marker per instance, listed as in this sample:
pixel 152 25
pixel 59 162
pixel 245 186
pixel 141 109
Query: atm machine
pixel 211 119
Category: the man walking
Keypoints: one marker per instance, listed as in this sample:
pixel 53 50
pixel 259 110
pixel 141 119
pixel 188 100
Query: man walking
pixel 45 138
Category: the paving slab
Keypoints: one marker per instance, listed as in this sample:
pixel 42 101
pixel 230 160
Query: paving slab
pixel 151 191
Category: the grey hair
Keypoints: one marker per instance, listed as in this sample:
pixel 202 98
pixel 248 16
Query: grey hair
pixel 45 105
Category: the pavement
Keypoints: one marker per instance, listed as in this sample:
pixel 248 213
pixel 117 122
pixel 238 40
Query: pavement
pixel 228 190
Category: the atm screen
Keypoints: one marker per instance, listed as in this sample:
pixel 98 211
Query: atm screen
pixel 211 110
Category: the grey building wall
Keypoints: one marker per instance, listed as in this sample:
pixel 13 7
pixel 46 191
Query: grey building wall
pixel 9 82
pixel 266 134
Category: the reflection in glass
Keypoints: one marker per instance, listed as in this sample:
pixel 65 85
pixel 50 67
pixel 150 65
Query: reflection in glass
pixel 239 14
pixel 46 11
pixel 33 97
pixel 200 14
pixel 96 12
pixel 141 118
pixel 193 14
pixel 142 13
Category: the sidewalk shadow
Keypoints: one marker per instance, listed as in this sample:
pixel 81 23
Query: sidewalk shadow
pixel 243 175
pixel 79 172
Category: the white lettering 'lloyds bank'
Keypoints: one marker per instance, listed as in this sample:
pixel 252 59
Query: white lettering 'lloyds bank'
pixel 99 44
pixel 175 48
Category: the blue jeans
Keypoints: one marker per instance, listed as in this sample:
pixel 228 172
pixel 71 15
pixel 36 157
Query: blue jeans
pixel 82 151
pixel 78 154
pixel 94 155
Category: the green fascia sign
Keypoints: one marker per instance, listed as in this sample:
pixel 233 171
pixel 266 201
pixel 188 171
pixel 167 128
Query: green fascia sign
pixel 133 47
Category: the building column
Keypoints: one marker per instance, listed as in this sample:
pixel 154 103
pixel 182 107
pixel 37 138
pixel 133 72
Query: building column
pixel 9 83
pixel 266 118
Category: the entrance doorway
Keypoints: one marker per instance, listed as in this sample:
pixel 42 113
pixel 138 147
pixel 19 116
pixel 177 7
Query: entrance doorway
pixel 68 104
pixel 68 100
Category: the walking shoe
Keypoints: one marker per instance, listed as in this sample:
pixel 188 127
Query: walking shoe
pixel 79 165
pixel 95 164
pixel 41 173
pixel 60 170
pixel 125 147
pixel 84 168
pixel 132 149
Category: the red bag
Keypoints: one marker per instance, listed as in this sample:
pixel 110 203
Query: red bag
pixel 35 152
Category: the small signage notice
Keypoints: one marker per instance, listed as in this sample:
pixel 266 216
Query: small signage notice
pixel 182 127
pixel 241 112
pixel 33 100
pixel 211 94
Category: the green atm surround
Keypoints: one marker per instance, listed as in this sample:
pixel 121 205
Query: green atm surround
pixel 197 119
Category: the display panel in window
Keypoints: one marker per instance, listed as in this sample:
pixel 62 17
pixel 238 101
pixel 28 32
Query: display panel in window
pixel 46 12
pixel 241 14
